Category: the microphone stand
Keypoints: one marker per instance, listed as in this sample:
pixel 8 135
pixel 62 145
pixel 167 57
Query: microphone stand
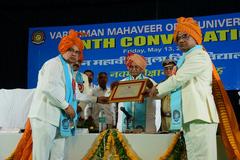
pixel 127 119
pixel 128 116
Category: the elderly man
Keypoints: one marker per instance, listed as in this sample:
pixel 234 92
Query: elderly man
pixel 193 81
pixel 143 113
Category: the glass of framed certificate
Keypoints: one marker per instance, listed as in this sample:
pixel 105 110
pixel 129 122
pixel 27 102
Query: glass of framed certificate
pixel 128 91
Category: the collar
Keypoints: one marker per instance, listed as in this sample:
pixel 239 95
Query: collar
pixel 140 76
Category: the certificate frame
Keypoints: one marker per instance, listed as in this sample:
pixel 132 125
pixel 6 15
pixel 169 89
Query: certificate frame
pixel 127 91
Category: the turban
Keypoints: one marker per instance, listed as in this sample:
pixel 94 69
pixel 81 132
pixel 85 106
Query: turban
pixel 70 40
pixel 138 59
pixel 189 26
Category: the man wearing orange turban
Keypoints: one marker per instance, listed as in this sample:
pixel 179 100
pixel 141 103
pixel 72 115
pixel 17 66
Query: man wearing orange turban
pixel 193 80
pixel 50 99
pixel 53 111
pixel 143 113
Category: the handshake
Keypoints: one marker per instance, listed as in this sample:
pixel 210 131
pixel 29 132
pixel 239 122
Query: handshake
pixel 71 113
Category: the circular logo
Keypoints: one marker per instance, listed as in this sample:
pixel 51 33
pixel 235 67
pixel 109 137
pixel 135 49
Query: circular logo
pixel 65 124
pixel 176 115
pixel 38 37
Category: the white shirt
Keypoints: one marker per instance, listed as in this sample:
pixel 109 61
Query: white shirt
pixel 109 109
pixel 91 87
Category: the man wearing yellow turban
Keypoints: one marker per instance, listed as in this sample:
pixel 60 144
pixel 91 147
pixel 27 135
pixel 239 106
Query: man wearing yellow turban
pixel 194 81
pixel 143 113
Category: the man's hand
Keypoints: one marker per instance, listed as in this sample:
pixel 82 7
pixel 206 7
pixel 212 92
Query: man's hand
pixel 149 83
pixel 103 100
pixel 70 112
pixel 153 91
pixel 150 92
pixel 114 84
pixel 79 109
pixel 174 70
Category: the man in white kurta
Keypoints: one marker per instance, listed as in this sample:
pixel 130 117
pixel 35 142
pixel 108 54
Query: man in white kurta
pixel 194 78
pixel 144 114
pixel 49 100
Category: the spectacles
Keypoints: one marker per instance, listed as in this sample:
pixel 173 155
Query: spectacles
pixel 183 36
pixel 72 50
pixel 168 68
pixel 134 67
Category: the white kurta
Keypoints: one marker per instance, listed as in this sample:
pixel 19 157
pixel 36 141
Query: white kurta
pixel 195 78
pixel 200 116
pixel 44 114
pixel 49 97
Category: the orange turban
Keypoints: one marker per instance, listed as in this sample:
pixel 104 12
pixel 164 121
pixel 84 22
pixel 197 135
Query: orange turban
pixel 138 59
pixel 189 26
pixel 70 40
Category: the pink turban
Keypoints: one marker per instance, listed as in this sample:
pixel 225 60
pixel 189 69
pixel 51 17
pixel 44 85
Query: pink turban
pixel 136 58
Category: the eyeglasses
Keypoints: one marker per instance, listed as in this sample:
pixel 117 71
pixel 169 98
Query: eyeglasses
pixel 168 68
pixel 183 36
pixel 134 67
pixel 72 50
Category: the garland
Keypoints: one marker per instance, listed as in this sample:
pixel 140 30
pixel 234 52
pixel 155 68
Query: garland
pixel 171 147
pixel 95 147
pixel 111 144
pixel 230 133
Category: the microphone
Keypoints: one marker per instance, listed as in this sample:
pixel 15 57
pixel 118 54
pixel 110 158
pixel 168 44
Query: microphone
pixel 128 116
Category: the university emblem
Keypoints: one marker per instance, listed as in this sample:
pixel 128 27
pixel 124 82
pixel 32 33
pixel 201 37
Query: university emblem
pixel 176 115
pixel 38 37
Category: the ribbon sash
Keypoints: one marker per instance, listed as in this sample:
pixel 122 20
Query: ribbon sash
pixel 67 126
pixel 176 98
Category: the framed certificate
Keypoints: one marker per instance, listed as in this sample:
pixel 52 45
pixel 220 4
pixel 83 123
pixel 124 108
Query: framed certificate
pixel 128 91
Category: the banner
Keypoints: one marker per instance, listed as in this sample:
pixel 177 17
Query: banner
pixel 107 45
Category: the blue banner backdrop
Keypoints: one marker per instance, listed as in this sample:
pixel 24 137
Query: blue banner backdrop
pixel 107 44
